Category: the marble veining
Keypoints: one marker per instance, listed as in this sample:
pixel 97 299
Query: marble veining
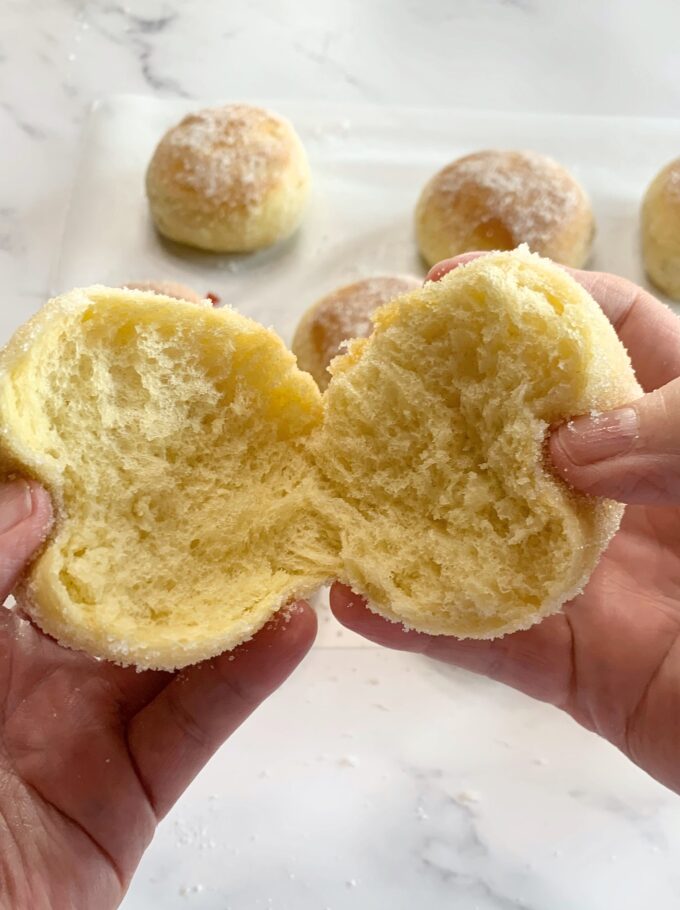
pixel 28 129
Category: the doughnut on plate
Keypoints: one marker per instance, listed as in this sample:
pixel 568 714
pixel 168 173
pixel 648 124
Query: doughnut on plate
pixel 368 167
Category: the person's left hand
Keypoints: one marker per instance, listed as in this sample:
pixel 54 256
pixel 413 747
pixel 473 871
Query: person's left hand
pixel 93 755
pixel 611 657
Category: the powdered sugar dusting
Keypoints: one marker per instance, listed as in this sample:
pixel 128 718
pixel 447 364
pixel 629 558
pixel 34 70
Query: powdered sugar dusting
pixel 229 155
pixel 528 193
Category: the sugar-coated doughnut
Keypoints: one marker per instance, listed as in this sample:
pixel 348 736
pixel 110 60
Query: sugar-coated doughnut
pixel 201 480
pixel 496 200
pixel 343 314
pixel 661 230
pixel 229 179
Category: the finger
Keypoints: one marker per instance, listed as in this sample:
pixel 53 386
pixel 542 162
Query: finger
pixel 81 706
pixel 37 656
pixel 448 265
pixel 175 735
pixel 529 661
pixel 25 518
pixel 631 454
pixel 64 735
pixel 649 330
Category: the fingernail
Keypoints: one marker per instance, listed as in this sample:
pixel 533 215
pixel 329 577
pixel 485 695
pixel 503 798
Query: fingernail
pixel 16 504
pixel 587 440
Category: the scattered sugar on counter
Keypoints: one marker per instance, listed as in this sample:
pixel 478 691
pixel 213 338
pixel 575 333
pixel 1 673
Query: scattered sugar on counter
pixel 467 796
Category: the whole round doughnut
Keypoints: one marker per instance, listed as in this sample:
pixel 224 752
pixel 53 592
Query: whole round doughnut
pixel 167 289
pixel 229 179
pixel 661 230
pixel 343 314
pixel 496 200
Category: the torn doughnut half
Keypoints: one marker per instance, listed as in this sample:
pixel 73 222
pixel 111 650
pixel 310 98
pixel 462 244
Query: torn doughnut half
pixel 201 480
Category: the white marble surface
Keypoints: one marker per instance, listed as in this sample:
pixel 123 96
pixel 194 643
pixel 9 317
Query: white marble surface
pixel 372 779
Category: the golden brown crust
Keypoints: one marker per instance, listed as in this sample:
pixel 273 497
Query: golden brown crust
pixel 495 200
pixel 228 179
pixel 661 230
pixel 341 315
pixel 228 156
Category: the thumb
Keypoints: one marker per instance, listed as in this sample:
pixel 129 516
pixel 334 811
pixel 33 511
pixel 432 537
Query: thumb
pixel 631 454
pixel 25 516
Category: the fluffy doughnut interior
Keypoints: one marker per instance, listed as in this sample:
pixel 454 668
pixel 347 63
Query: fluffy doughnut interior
pixel 172 437
pixel 433 446
pixel 202 481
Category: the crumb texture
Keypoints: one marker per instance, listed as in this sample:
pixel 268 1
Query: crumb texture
pixel 171 437
pixel 433 441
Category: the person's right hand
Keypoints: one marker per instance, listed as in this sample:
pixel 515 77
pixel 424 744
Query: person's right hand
pixel 612 657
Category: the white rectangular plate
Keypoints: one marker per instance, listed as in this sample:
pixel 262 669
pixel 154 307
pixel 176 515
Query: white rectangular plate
pixel 369 165
pixel 372 778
